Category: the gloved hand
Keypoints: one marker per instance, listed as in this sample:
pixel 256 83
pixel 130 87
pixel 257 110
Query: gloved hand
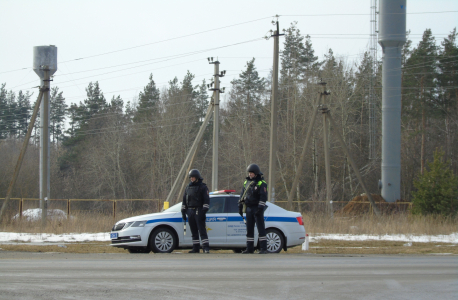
pixel 183 214
pixel 241 209
pixel 260 211
pixel 204 210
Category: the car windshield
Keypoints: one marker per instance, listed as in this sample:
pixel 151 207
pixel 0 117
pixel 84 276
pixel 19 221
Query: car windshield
pixel 175 208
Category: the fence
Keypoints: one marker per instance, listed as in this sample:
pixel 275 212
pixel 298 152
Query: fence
pixel 68 209
pixel 301 206
pixel 313 206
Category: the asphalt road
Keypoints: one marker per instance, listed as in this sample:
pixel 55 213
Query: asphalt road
pixel 225 276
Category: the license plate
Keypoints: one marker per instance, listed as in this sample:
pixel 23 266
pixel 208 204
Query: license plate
pixel 113 235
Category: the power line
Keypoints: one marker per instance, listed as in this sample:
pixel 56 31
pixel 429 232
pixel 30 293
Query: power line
pixel 331 15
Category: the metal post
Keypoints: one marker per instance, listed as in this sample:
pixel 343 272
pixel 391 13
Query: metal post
pixel 392 35
pixel 274 121
pixel 327 162
pixel 215 128
pixel 44 148
pixel 21 203
pixel 114 210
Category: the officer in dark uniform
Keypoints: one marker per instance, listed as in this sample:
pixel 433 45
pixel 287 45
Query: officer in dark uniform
pixel 254 196
pixel 196 202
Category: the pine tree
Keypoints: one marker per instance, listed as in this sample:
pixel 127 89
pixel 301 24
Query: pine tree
pixel 23 113
pixel 3 112
pixel 148 102
pixel 249 87
pixel 419 81
pixel 11 117
pixel 58 112
pixel 448 81
pixel 437 189
pixel 201 99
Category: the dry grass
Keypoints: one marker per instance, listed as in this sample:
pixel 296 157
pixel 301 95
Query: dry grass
pixel 78 223
pixel 315 223
pixel 386 224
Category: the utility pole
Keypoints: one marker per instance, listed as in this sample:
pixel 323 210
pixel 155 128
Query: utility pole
pixel 216 91
pixel 23 150
pixel 327 161
pixel 274 120
pixel 45 65
pixel 327 117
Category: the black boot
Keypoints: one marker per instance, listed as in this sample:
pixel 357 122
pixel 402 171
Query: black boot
pixel 195 250
pixel 206 250
pixel 247 251
pixel 262 251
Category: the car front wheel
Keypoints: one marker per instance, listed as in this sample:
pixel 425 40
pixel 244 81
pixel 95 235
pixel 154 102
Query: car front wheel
pixel 163 240
pixel 275 240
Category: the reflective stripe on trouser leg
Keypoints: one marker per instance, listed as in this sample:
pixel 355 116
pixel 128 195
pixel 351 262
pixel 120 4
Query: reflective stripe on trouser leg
pixel 261 230
pixel 250 221
pixel 200 220
pixel 194 229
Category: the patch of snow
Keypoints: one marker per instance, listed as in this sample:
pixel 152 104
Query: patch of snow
pixel 34 214
pixel 450 238
pixel 47 237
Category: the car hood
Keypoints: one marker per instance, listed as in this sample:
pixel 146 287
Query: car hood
pixel 148 217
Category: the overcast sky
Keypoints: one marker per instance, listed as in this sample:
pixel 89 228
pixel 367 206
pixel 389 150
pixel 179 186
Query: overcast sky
pixel 119 43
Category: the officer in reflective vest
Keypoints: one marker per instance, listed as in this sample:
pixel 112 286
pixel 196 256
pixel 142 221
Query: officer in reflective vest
pixel 196 202
pixel 254 197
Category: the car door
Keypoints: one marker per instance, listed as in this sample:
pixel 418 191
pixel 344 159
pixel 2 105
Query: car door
pixel 236 228
pixel 216 221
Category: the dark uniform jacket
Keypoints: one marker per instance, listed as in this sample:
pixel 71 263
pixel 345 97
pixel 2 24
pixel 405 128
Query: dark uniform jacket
pixel 256 193
pixel 196 195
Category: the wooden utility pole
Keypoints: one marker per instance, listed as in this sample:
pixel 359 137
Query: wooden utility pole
pixel 423 125
pixel 327 161
pixel 23 150
pixel 191 152
pixel 327 117
pixel 302 159
pixel 274 120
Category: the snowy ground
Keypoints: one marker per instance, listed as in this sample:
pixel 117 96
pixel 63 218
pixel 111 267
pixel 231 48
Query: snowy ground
pixel 6 237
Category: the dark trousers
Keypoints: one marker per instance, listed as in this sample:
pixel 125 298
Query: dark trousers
pixel 251 219
pixel 196 221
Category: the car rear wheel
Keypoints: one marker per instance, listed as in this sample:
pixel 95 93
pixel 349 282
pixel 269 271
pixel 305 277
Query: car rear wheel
pixel 139 250
pixel 163 240
pixel 275 241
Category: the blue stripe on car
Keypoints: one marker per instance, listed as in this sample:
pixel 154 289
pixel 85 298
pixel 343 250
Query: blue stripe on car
pixel 222 219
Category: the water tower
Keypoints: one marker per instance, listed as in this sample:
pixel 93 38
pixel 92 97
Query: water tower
pixel 45 65
pixel 392 36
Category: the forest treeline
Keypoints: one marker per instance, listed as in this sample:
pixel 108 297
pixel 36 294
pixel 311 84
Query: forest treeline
pixel 112 149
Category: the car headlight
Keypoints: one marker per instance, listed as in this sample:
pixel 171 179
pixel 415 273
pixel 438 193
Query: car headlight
pixel 128 224
pixel 139 224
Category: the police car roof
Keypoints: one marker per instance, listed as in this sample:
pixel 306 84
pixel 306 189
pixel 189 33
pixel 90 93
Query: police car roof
pixel 222 192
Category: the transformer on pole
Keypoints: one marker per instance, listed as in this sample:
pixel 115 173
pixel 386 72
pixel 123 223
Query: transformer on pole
pixel 45 65
pixel 392 36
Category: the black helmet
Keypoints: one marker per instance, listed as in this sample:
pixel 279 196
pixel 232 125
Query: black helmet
pixel 195 173
pixel 254 168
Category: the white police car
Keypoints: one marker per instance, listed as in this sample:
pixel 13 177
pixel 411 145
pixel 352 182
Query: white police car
pixel 164 232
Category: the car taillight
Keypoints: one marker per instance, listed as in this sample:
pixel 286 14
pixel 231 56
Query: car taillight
pixel 299 220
